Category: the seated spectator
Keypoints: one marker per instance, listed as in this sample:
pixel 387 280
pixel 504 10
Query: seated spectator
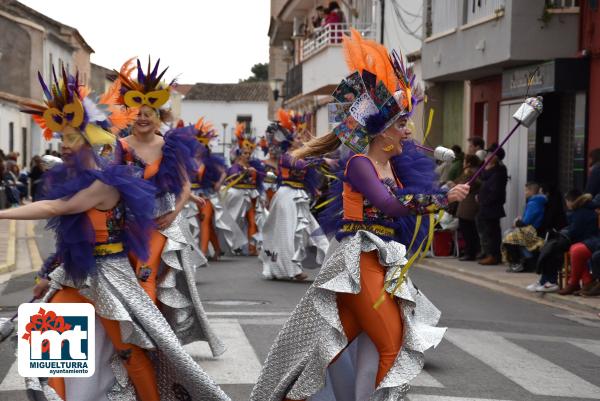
pixel 14 187
pixel 555 218
pixel 468 208
pixel 524 236
pixel 582 226
pixel 593 289
pixel 35 178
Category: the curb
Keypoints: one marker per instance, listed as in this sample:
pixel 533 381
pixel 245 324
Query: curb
pixel 548 299
pixel 10 264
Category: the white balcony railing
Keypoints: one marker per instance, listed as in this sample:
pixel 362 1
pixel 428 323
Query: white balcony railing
pixel 331 35
pixel 478 9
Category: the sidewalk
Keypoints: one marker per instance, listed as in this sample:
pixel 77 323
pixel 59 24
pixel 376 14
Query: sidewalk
pixel 7 245
pixel 19 260
pixel 496 277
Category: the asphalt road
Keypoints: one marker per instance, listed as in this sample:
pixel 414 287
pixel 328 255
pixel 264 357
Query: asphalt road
pixel 497 347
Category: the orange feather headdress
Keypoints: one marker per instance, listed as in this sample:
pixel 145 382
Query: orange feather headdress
pixel 245 140
pixel 378 92
pixel 205 131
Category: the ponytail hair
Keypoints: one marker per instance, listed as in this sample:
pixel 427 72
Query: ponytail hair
pixel 318 146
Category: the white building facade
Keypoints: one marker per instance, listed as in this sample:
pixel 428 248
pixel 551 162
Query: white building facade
pixel 224 105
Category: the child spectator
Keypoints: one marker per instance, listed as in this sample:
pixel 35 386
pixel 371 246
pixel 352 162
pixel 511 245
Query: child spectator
pixel 582 225
pixel 524 236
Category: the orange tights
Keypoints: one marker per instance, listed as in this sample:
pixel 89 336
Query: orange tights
pixel 138 365
pixel 157 243
pixel 382 325
pixel 207 229
pixel 252 227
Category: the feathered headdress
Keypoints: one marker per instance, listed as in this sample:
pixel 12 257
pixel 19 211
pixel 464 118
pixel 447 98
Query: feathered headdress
pixel 205 131
pixel 280 133
pixel 245 140
pixel 67 104
pixel 378 92
pixel 147 89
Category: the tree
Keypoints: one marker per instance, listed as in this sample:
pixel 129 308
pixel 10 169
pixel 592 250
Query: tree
pixel 260 72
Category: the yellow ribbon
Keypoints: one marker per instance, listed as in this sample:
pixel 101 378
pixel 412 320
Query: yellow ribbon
pixel 429 122
pixel 325 203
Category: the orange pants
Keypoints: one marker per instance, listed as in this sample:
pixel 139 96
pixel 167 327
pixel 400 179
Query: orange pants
pixel 382 325
pixel 138 364
pixel 147 279
pixel 207 229
pixel 270 194
pixel 252 227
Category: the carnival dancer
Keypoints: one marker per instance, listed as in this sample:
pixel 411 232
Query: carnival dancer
pixel 244 189
pixel 210 218
pixel 359 304
pixel 167 162
pixel 271 164
pixel 287 230
pixel 100 212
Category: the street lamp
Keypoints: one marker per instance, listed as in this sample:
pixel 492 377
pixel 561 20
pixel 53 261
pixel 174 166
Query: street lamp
pixel 276 87
pixel 224 137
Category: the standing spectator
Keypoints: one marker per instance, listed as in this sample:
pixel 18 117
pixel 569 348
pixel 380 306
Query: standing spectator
pixel 476 147
pixel 582 226
pixel 593 182
pixel 491 198
pixel 318 20
pixel 2 155
pixel 524 239
pixel 456 166
pixel 468 208
pixel 335 16
pixel 35 177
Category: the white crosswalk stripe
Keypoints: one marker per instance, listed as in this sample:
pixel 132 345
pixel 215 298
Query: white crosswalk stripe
pixel 535 374
pixel 427 397
pixel 240 364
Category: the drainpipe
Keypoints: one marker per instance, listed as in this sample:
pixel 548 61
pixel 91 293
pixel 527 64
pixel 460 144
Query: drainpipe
pixel 382 22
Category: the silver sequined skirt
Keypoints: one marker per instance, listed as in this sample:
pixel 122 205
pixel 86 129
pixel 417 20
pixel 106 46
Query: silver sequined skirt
pixel 116 295
pixel 287 234
pixel 313 336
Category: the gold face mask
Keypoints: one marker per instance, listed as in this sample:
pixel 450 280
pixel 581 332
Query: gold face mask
pixel 70 116
pixel 153 99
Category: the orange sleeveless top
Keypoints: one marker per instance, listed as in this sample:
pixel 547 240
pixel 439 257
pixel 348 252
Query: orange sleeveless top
pixel 107 224
pixel 150 169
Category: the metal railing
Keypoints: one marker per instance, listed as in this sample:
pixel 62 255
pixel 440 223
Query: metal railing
pixel 331 35
pixel 477 9
pixel 293 82
pixel 564 3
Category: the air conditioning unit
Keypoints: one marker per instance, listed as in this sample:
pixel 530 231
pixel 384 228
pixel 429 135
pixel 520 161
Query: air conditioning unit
pixel 299 28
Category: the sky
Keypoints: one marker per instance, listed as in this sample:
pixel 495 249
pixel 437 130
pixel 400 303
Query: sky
pixel 200 40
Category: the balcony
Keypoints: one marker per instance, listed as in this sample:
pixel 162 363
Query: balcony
pixel 322 59
pixel 331 35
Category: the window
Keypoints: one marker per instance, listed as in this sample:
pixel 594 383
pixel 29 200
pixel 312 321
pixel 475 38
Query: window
pixel 24 145
pixel 247 120
pixel 11 137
